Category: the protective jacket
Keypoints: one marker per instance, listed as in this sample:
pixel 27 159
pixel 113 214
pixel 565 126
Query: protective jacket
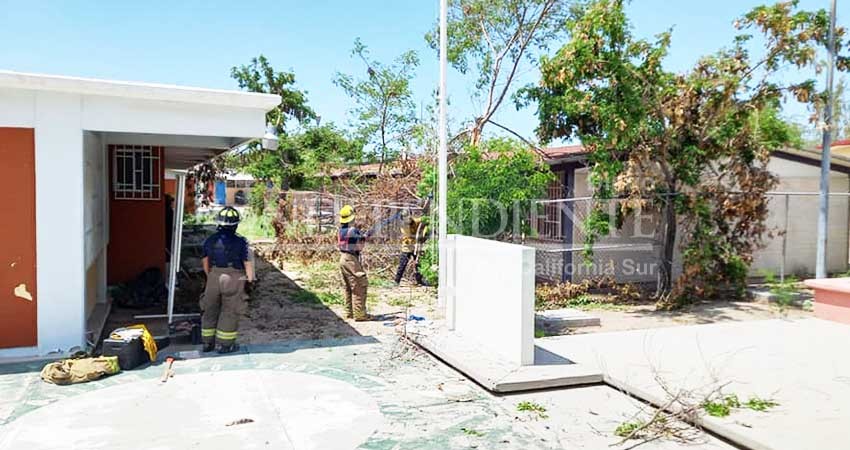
pixel 350 240
pixel 226 249
pixel 411 234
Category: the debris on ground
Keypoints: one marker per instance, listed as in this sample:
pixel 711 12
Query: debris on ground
pixel 239 422
pixel 292 300
pixel 147 289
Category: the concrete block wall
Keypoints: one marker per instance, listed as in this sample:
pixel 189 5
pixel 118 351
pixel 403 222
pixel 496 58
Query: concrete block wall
pixel 491 296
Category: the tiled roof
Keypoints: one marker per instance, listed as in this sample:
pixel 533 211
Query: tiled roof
pixel 552 153
pixel 838 143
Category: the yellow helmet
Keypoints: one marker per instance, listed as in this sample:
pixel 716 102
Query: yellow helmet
pixel 346 214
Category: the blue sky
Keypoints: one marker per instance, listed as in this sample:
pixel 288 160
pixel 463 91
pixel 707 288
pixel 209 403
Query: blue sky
pixel 197 42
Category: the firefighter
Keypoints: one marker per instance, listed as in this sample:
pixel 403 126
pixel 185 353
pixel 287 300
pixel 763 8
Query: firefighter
pixel 351 241
pixel 229 266
pixel 413 235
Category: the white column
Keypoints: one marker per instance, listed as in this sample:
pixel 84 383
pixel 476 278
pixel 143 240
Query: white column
pixel 60 231
pixel 176 239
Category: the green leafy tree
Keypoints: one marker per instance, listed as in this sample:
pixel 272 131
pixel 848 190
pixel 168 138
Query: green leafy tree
pixel 494 38
pixel 492 188
pixel 323 148
pixel 280 164
pixel 385 111
pixel 491 192
pixel 684 144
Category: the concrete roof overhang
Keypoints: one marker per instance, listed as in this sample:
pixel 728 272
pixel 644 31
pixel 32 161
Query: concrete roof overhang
pixel 193 124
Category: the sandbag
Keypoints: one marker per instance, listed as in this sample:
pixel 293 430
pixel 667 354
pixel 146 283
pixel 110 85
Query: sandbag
pixel 73 371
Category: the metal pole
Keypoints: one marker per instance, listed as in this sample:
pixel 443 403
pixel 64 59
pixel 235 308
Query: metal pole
pixel 823 216
pixel 442 167
pixel 784 240
pixel 176 241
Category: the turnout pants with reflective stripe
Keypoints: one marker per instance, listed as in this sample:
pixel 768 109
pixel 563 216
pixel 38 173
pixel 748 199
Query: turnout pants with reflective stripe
pixel 222 304
pixel 355 283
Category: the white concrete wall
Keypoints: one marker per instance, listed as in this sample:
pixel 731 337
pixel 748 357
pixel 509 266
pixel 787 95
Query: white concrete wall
pixel 59 219
pixel 491 296
pixel 96 217
pixel 96 195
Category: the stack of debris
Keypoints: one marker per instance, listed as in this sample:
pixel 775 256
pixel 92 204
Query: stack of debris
pixel 303 223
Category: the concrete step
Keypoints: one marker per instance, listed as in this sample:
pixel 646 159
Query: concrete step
pixel 557 321
pixel 495 374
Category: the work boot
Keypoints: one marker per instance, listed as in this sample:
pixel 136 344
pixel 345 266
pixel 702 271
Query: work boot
pixel 228 348
pixel 365 318
pixel 208 347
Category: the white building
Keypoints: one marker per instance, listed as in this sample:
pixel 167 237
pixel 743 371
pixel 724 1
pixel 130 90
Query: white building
pixel 83 164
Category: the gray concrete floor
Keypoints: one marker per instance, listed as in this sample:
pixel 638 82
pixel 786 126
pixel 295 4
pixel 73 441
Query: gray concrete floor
pixel 802 364
pixel 335 394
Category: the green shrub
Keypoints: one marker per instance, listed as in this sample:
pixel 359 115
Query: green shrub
pixel 257 198
pixel 785 291
pixel 533 408
pixel 428 263
pixel 626 429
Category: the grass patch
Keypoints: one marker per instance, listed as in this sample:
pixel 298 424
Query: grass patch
pixel 256 227
pixel 472 432
pixel 532 407
pixel 587 302
pixel 760 404
pixel 317 298
pixel 379 282
pixel 330 298
pixel 724 406
pixel 190 220
pixel 304 296
pixel 539 333
pixel 785 291
pixel 399 301
pixel 625 429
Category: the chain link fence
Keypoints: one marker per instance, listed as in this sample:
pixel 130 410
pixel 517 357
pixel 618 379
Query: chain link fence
pixel 632 251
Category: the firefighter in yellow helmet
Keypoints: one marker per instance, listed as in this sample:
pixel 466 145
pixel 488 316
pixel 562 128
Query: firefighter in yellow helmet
pixel 229 266
pixel 413 235
pixel 351 241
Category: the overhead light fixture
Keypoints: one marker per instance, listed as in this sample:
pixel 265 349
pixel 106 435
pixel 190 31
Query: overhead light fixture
pixel 270 139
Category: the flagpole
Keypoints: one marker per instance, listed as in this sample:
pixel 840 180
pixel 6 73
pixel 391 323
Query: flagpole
pixel 823 213
pixel 442 167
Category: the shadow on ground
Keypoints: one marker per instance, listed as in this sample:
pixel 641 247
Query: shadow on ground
pixel 706 312
pixel 281 310
pixel 278 309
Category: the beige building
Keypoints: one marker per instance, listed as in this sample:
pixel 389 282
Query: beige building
pixel 631 253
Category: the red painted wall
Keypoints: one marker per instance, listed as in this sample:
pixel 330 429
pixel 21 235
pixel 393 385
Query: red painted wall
pixel 18 321
pixel 136 233
pixel 170 188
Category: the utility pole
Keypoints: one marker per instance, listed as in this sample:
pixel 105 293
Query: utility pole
pixel 823 216
pixel 442 165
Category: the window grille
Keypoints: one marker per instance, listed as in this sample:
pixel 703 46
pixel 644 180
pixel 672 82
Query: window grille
pixel 136 172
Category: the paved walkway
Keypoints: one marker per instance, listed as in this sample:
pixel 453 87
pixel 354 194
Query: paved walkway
pixel 301 395
pixel 802 364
